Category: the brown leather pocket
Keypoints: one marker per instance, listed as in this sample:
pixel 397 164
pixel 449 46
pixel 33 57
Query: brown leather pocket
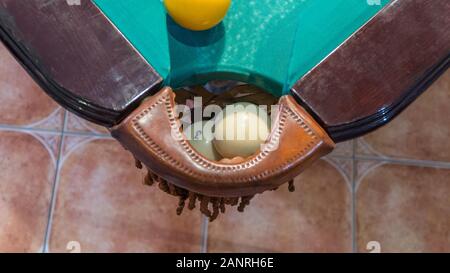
pixel 152 134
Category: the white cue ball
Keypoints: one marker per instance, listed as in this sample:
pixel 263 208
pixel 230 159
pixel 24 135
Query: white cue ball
pixel 202 140
pixel 241 131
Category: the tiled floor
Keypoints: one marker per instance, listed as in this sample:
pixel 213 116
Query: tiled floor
pixel 64 180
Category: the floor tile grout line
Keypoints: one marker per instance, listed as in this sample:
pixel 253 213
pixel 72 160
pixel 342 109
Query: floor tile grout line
pixel 4 127
pixel 69 133
pixel 204 234
pixel 51 131
pixel 66 118
pixel 406 161
pixel 74 133
pixel 401 161
pixel 54 189
pixel 340 156
pixel 353 194
pixel 80 133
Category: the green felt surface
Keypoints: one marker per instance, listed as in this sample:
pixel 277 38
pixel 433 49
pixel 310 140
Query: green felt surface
pixel 269 43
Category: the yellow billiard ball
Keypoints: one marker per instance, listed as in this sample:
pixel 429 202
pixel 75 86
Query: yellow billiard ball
pixel 197 14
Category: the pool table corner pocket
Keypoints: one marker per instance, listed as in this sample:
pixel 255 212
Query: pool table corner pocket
pixel 151 133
